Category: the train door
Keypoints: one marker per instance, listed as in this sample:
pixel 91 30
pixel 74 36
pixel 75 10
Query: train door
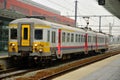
pixel 25 35
pixel 59 52
pixel 86 44
pixel 56 42
pixel 53 41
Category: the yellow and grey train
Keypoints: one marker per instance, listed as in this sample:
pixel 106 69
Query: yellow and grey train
pixel 40 39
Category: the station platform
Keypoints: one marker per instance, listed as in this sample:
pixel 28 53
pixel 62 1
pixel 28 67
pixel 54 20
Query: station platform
pixel 3 54
pixel 107 69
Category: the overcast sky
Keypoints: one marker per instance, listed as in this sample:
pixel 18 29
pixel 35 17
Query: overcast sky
pixel 85 7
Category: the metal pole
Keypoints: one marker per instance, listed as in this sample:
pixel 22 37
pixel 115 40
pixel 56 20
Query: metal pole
pixel 110 32
pixel 99 23
pixel 110 29
pixel 5 2
pixel 76 13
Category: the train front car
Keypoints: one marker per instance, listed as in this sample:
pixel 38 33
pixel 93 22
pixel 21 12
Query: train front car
pixel 27 39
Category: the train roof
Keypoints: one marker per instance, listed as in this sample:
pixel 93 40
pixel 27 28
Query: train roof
pixel 28 20
pixel 55 25
pixel 100 34
pixel 47 23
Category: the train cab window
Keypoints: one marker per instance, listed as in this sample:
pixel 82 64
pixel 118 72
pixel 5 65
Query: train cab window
pixel 38 34
pixel 13 33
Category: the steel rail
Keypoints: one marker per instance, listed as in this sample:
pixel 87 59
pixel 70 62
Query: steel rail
pixel 49 73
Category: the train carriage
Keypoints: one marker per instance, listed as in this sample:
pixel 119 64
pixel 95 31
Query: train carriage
pixel 90 41
pixel 102 42
pixel 36 38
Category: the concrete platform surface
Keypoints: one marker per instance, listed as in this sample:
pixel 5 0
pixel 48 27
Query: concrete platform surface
pixel 3 54
pixel 107 69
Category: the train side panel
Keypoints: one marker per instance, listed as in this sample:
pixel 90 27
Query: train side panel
pixel 39 39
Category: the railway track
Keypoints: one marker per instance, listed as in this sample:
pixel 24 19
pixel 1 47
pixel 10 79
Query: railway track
pixel 49 73
pixel 45 74
pixel 14 72
pixel 7 70
pixel 11 72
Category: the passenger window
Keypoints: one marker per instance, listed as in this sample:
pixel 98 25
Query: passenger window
pixel 53 36
pixel 68 37
pixel 39 34
pixel 72 37
pixel 79 38
pixel 13 34
pixel 63 37
pixel 82 38
pixel 48 35
pixel 76 38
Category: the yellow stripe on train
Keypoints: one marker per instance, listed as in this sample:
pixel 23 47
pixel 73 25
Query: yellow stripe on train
pixel 45 46
pixel 41 26
pixel 13 25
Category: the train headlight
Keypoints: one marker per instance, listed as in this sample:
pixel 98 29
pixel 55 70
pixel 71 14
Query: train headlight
pixel 13 47
pixel 40 50
pixel 36 45
pixel 13 44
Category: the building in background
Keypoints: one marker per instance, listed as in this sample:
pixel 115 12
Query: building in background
pixel 29 8
pixel 13 9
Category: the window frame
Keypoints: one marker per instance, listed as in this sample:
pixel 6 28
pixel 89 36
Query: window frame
pixel 39 37
pixel 13 33
pixel 53 37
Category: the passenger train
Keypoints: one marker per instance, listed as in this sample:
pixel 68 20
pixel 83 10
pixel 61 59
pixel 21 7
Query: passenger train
pixel 41 40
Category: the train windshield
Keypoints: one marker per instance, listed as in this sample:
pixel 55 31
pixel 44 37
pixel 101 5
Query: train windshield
pixel 13 34
pixel 38 34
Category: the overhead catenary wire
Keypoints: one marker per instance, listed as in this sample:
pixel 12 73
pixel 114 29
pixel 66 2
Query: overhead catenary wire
pixel 79 11
pixel 64 7
pixel 70 9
